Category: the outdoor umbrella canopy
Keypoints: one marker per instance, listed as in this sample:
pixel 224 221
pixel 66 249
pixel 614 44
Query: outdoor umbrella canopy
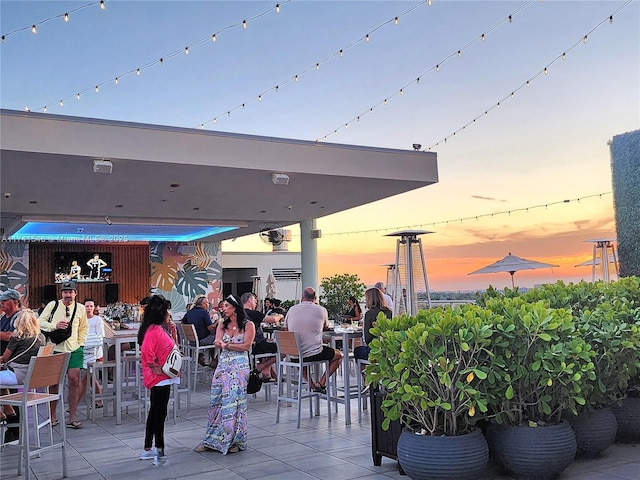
pixel 272 289
pixel 512 264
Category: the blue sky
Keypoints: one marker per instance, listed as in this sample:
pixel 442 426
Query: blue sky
pixel 546 144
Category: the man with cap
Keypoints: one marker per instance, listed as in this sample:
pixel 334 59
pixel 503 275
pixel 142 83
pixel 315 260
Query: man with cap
pixel 57 315
pixel 10 305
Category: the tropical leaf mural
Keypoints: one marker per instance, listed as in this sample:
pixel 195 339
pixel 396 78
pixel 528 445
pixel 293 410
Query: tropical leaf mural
pixel 181 277
pixel 14 267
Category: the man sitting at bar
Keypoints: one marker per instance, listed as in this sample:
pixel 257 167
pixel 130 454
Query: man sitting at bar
pixel 310 319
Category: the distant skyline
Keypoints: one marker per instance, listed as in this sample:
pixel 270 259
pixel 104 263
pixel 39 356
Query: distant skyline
pixel 546 144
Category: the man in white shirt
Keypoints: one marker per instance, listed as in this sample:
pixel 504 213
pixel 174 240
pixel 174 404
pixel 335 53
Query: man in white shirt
pixel 309 319
pixel 387 298
pixel 93 349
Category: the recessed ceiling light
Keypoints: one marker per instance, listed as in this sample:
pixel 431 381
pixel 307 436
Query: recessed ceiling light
pixel 33 202
pixel 196 208
pixel 119 206
pixel 263 211
pixel 174 185
pixel 313 202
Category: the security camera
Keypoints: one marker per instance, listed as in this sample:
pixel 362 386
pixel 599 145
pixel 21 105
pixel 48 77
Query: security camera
pixel 7 195
pixel 417 146
pixel 108 220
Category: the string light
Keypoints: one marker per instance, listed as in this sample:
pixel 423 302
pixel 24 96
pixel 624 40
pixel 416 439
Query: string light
pixel 340 52
pixel 97 89
pixel 457 52
pixel 482 37
pixel 186 49
pixel 45 109
pixel 78 96
pixel 584 40
pixel 34 27
pixel 472 217
pixel 244 24
pixel 545 70
pixel 102 5
pixel 277 8
pixel 61 103
pixel 396 20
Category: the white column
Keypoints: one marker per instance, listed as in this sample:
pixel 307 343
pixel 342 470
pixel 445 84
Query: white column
pixel 309 254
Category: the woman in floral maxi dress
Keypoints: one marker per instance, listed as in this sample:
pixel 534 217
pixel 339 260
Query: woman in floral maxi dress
pixel 227 426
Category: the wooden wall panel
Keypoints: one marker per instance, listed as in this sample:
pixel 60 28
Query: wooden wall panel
pixel 131 271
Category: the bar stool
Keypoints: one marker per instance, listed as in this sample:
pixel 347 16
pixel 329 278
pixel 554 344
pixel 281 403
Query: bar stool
pixel 253 362
pixel 289 346
pixel 361 406
pixel 98 372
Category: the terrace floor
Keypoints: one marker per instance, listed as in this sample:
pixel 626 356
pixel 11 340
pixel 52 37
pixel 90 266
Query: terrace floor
pixel 316 450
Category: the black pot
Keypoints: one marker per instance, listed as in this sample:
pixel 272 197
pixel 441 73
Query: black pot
pixel 532 453
pixel 595 431
pixel 463 457
pixel 627 412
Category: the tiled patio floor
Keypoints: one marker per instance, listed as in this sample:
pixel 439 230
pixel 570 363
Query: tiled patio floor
pixel 317 450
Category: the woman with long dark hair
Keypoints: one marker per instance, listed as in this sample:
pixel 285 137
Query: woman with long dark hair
pixel 155 346
pixel 227 425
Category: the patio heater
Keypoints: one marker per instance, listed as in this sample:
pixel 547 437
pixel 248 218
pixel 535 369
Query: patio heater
pixel 388 282
pixel 604 254
pixel 410 273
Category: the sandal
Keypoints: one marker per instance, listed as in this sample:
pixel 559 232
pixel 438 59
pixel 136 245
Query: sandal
pixel 55 422
pixel 74 424
pixel 320 389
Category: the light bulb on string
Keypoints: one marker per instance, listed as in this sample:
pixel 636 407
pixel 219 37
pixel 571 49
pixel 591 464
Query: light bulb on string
pixel 214 38
pixel 385 101
pixel 429 2
pixel 26 109
pixel 97 88
pixel 61 103
pixel 102 5
pixel 78 96
pixel 498 105
pixel 512 94
pixel 228 113
pixel 438 68
pixel 244 24
pixel 564 55
pixel 215 120
pixel 396 20
pixel 317 66
pixel 44 109
pixel 66 17
pixel 277 8
pixel 418 81
pixel 366 37
pixel 341 52
pixel 186 50
pixel 116 81
pixel 162 61
pixel 4 39
pixel 34 29
pixel 259 98
pixel 277 88
pixel 138 71
pixel 459 53
pixel 482 37
pixel 510 19
pixel 610 18
pixel 546 71
pixel 528 83
pixel 584 40
pixel 243 106
pixel 296 78
pixel 401 91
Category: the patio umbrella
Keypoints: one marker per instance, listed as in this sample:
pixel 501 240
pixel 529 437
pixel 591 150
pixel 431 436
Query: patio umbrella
pixel 272 289
pixel 512 264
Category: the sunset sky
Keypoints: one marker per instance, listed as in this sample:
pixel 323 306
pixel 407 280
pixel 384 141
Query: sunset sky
pixel 546 144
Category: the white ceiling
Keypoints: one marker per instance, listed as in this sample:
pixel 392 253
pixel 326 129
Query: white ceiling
pixel 46 174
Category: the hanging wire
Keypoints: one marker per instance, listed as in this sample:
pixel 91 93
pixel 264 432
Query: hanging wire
pixel 436 68
pixel 65 16
pixel 464 219
pixel 163 58
pixel 316 65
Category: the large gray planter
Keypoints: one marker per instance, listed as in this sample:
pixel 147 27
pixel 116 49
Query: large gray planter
pixel 595 431
pixel 463 457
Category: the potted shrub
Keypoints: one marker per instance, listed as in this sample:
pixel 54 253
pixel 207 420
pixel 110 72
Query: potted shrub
pixel 431 367
pixel 540 369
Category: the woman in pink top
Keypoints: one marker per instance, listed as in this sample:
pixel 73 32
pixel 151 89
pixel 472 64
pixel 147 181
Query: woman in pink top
pixel 155 346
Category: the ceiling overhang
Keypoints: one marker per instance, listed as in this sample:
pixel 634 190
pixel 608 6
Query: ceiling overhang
pixel 178 183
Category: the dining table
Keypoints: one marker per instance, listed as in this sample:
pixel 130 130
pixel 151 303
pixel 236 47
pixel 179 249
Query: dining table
pixel 117 338
pixel 346 335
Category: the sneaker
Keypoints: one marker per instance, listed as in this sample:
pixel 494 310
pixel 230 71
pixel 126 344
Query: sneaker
pixel 148 454
pixel 161 459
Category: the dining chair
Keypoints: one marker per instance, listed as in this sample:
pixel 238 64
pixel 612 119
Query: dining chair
pixel 288 345
pixel 360 363
pixel 44 372
pixel 253 363
pixel 42 351
pixel 191 344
